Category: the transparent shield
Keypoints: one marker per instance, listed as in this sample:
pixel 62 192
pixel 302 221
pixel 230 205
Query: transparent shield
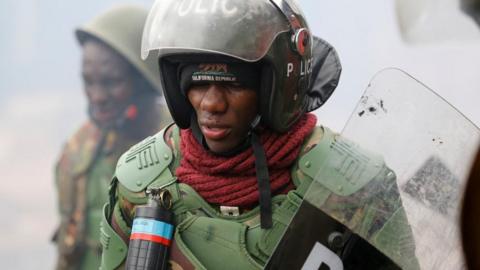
pixel 242 29
pixel 430 146
pixel 411 218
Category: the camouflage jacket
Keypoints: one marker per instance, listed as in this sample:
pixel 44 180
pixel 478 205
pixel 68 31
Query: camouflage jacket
pixel 82 176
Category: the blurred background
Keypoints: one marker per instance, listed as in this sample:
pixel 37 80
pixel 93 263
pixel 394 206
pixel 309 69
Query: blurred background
pixel 42 101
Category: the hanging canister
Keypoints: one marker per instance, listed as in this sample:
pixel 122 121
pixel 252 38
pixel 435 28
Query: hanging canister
pixel 152 231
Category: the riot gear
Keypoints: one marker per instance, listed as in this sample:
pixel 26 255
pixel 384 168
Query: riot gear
pixel 273 34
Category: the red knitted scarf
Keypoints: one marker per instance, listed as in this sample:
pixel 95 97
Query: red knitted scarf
pixel 231 181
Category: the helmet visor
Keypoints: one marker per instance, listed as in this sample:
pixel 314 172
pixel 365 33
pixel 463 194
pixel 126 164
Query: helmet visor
pixel 242 29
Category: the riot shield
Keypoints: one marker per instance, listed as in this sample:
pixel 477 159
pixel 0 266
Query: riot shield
pixel 395 205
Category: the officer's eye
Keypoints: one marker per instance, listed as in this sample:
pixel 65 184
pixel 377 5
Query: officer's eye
pixel 87 81
pixel 199 86
pixel 234 86
pixel 110 83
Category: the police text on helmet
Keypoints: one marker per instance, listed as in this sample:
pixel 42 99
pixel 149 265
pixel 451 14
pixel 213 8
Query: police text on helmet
pixel 187 7
pixel 306 67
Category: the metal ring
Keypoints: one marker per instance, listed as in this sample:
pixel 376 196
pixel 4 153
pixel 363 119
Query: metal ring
pixel 301 40
pixel 165 199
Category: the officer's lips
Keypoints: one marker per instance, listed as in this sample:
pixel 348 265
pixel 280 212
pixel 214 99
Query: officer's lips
pixel 214 132
pixel 104 115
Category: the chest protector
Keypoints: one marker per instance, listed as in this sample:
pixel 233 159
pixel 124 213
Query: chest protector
pixel 205 236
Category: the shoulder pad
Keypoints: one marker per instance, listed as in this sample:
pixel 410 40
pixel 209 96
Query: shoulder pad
pixel 340 165
pixel 144 162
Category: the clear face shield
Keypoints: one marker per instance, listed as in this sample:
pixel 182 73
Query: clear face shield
pixel 242 29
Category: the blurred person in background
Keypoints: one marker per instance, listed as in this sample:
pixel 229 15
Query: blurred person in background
pixel 124 106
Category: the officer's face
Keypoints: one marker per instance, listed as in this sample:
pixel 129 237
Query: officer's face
pixel 224 113
pixel 108 82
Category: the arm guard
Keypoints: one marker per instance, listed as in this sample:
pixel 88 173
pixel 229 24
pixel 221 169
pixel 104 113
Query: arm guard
pixel 143 165
pixel 114 248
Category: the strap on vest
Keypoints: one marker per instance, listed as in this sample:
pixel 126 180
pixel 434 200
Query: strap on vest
pixel 263 181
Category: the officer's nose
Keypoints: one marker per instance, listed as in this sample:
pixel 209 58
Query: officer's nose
pixel 214 100
pixel 96 94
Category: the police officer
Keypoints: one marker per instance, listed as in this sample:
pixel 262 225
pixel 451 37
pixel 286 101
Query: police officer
pixel 123 95
pixel 237 77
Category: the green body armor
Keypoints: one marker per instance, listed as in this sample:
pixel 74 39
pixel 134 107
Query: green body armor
pixel 204 237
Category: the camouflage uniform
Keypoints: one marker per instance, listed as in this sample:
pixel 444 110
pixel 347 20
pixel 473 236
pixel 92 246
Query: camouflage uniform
pixel 82 176
pixel 88 159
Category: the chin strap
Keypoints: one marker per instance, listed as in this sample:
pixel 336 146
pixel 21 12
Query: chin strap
pixel 263 180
